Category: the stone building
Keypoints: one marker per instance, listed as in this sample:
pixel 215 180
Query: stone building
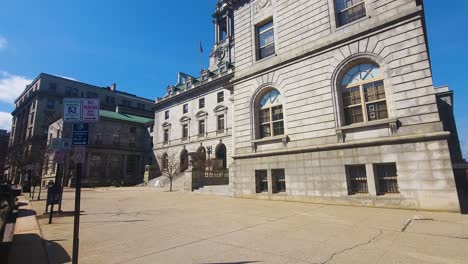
pixel 42 99
pixel 4 138
pixel 334 102
pixel 195 115
pixel 119 148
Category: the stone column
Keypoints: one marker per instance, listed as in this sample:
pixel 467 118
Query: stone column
pixel 371 180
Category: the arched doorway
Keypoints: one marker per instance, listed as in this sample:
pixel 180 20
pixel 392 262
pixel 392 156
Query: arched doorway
pixel 201 151
pixel 220 154
pixel 184 160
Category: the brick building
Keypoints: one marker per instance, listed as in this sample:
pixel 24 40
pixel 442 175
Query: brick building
pixel 41 100
pixel 120 146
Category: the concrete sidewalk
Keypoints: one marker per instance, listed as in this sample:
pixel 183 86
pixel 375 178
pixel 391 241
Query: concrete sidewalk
pixel 138 225
pixel 27 245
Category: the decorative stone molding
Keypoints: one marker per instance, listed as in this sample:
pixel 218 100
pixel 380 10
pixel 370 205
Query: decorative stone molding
pixel 259 5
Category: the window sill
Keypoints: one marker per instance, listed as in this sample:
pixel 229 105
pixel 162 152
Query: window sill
pixel 368 124
pixel 266 58
pixel 281 138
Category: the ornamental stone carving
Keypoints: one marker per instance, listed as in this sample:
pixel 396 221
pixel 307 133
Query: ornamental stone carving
pixel 259 5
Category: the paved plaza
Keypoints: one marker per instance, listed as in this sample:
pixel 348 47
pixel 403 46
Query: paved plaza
pixel 142 225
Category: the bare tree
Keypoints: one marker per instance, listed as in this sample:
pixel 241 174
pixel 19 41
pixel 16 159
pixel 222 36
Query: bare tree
pixel 43 155
pixel 170 166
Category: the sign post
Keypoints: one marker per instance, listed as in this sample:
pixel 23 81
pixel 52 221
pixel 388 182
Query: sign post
pixel 81 112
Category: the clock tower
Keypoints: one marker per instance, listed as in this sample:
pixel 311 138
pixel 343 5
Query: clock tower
pixel 222 55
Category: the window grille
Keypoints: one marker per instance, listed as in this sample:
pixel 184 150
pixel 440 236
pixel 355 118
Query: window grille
pixel 357 179
pixel 279 180
pixel 387 178
pixel 261 180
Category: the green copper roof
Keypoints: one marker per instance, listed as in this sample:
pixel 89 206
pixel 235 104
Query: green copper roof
pixel 124 117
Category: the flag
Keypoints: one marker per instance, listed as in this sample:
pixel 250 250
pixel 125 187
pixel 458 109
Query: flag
pixel 201 47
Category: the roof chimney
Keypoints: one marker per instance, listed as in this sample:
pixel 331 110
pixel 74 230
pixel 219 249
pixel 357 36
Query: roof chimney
pixel 113 87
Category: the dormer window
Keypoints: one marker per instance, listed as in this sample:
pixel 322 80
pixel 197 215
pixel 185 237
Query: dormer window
pixel 205 75
pixel 169 90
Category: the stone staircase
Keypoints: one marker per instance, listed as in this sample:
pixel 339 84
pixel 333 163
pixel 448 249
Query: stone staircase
pixel 163 182
pixel 219 190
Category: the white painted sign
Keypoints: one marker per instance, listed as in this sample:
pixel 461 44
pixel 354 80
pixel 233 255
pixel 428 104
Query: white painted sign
pixel 90 110
pixel 72 109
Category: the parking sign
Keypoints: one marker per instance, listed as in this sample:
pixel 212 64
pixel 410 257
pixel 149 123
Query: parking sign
pixel 71 109
pixel 80 134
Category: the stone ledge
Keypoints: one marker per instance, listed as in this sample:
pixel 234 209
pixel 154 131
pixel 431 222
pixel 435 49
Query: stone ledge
pixel 354 144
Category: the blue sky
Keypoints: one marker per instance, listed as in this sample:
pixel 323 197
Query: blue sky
pixel 141 45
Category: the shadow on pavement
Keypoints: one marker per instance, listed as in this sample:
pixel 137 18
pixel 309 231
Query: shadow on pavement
pixel 26 213
pixel 242 262
pixel 58 215
pixel 30 248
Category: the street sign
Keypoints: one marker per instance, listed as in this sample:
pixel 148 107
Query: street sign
pixel 80 135
pixel 56 144
pixel 66 144
pixel 90 110
pixel 79 154
pixel 59 157
pixel 71 109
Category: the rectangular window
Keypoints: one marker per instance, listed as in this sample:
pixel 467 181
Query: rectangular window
pixel 222 29
pixel 99 138
pixel 265 40
pixel 127 103
pixel 185 108
pixel 277 117
pixel 261 181
pixel 50 104
pixel 357 179
pixel 201 103
pixel 185 131
pixel 166 136
pixel 348 11
pixel 166 114
pixel 141 106
pixel 53 87
pixel 220 97
pixel 279 180
pixel 68 91
pixel 201 127
pixel 116 139
pixel 220 122
pixel 386 175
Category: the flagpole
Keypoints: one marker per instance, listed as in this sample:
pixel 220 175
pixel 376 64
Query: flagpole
pixel 201 57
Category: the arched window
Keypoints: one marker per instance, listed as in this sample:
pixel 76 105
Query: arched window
pixel 363 94
pixel 270 114
pixel 164 161
pixel 201 151
pixel 220 153
pixel 184 160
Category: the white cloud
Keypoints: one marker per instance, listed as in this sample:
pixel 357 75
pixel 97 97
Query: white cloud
pixel 11 86
pixel 3 43
pixel 5 121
